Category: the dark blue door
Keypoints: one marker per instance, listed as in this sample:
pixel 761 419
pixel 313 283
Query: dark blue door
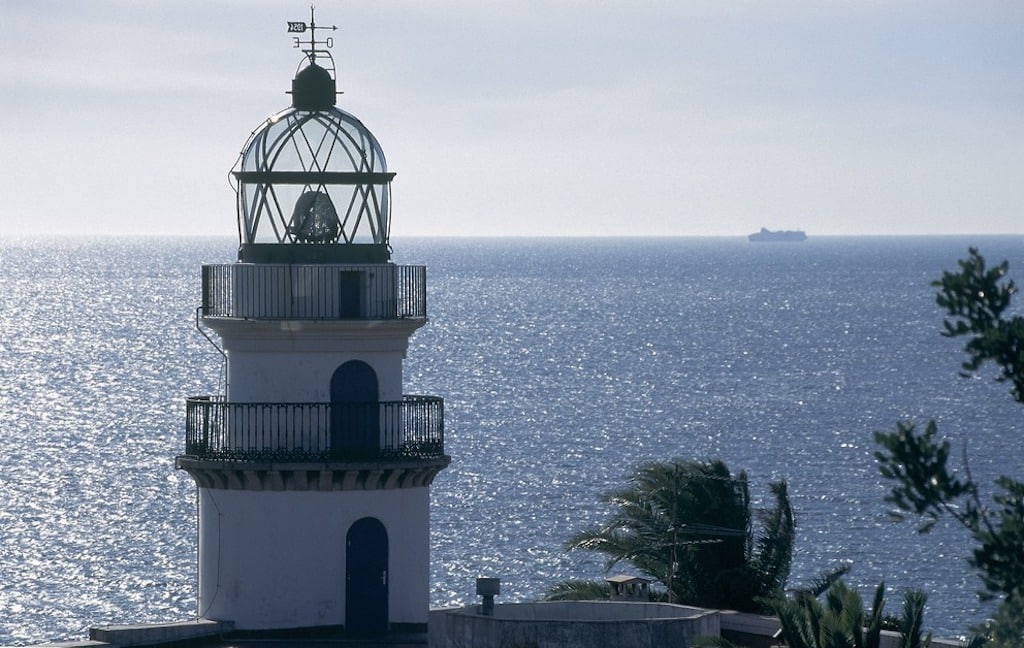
pixel 366 585
pixel 355 412
pixel 350 297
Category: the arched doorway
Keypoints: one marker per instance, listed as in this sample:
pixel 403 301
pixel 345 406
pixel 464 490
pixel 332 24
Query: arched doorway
pixel 355 411
pixel 366 578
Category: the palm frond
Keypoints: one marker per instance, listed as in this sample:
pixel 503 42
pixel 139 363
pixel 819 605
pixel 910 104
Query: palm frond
pixel 578 590
pixel 772 559
pixel 912 623
pixel 820 585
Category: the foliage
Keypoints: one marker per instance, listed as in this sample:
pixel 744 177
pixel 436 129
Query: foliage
pixel 1006 627
pixel 713 642
pixel 578 590
pixel 913 621
pixel 841 621
pixel 925 485
pixel 821 584
pixel 976 298
pixel 687 525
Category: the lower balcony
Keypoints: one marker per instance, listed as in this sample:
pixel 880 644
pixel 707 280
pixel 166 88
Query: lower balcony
pixel 221 431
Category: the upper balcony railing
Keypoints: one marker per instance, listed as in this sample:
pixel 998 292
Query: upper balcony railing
pixel 314 291
pixel 314 432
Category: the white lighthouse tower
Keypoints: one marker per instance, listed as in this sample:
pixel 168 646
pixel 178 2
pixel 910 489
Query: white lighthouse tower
pixel 313 468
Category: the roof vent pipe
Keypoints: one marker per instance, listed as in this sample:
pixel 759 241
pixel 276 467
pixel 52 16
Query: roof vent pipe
pixel 488 588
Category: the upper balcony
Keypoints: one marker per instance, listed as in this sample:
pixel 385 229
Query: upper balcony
pixel 314 291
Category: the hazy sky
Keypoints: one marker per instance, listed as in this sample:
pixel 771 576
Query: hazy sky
pixel 554 117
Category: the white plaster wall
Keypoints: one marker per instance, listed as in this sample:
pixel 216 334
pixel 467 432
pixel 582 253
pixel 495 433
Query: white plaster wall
pixel 276 559
pixel 274 377
pixel 284 361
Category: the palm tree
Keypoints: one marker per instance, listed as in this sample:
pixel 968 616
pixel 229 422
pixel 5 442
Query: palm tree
pixel 687 525
pixel 841 621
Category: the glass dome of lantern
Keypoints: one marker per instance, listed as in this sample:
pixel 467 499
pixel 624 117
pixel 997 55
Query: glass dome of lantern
pixel 312 183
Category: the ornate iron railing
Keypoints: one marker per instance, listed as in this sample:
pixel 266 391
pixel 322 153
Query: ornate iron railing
pixel 314 291
pixel 216 429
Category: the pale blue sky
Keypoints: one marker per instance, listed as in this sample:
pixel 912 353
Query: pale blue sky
pixel 562 117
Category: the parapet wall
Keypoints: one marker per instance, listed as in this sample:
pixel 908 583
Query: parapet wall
pixel 572 624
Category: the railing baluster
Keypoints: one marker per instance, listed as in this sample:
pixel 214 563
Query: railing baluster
pixel 281 291
pixel 220 430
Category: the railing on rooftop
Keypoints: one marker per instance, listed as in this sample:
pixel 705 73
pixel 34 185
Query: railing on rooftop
pixel 297 432
pixel 314 291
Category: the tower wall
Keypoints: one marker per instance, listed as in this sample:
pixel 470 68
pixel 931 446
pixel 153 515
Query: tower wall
pixel 304 377
pixel 277 560
pixel 313 467
pixel 293 361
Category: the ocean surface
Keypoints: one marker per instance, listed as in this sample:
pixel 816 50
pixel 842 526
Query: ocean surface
pixel 563 363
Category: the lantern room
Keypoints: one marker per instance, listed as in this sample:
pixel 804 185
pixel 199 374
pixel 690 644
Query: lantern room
pixel 312 183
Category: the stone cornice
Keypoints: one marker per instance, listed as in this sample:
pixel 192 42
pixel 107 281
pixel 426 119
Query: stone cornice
pixel 331 476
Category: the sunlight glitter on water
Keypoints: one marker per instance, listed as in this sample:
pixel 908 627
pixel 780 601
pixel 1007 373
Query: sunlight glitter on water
pixel 562 364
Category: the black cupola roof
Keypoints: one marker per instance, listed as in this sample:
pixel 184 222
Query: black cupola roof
pixel 313 88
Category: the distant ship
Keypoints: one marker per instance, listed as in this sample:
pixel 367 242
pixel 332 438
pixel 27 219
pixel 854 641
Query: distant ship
pixel 767 235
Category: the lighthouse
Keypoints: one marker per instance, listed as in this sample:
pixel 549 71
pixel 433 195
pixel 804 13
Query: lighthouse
pixel 313 467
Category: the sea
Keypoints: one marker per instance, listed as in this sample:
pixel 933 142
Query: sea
pixel 564 364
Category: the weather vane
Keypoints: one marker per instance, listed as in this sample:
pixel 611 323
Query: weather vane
pixel 300 27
